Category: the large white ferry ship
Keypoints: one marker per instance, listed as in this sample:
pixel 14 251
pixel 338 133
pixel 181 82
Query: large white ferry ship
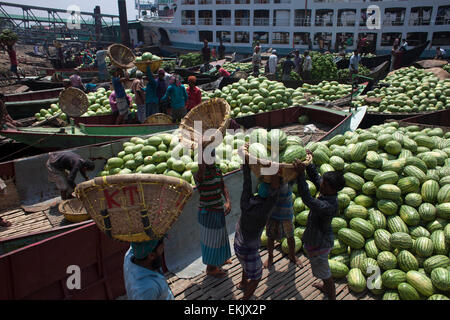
pixel 300 24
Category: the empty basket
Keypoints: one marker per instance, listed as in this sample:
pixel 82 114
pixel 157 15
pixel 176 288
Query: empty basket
pixel 73 210
pixel 73 102
pixel 121 56
pixel 134 207
pixel 159 118
pixel 154 65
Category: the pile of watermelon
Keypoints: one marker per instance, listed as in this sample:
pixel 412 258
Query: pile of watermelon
pixel 325 90
pixel 409 90
pixel 394 211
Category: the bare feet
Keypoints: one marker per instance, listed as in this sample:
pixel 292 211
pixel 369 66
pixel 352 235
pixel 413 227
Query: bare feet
pixel 217 273
pixel 296 261
pixel 4 223
pixel 268 263
pixel 242 285
pixel 228 262
pixel 320 286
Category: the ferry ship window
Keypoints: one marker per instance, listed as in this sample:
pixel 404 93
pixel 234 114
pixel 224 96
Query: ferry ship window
pixel 280 38
pixel 302 18
pixel 346 38
pixel 205 2
pixel 441 38
pixel 420 16
pixel 205 17
pixel 223 17
pixel 282 1
pixel 188 17
pixel 188 2
pixel 242 17
pixel 261 18
pixel 241 37
pixel 324 17
pixel 394 16
pixel 301 38
pixel 323 40
pixel 241 1
pixel 346 17
pixel 281 18
pixel 223 1
pixel 443 15
pixel 387 39
pixel 416 38
pixel 262 37
pixel 208 35
pixel 225 35
pixel 261 1
pixel 371 39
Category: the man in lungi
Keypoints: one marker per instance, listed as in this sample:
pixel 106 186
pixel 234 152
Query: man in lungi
pixel 318 237
pixel 58 163
pixel 122 102
pixel 211 216
pixel 280 225
pixel 142 272
pixel 249 228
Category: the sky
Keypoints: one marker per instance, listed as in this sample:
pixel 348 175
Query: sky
pixel 106 6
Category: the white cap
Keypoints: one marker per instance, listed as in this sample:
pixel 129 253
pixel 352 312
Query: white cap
pixel 274 51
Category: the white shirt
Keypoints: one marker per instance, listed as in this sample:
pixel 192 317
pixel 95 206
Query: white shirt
pixel 307 64
pixel 273 60
pixel 354 62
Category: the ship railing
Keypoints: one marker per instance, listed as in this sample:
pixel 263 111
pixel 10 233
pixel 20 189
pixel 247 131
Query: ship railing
pixel 205 21
pixel 223 21
pixel 281 22
pixel 188 21
pixel 223 1
pixel 346 23
pixel 241 1
pixel 242 21
pixel 321 22
pixel 440 20
pixel 188 2
pixel 261 21
pixel 393 22
pixel 261 1
pixel 419 21
pixel 205 2
pixel 302 22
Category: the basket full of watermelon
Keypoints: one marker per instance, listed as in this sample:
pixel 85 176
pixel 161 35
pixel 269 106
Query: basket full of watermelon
pixel 148 59
pixel 274 152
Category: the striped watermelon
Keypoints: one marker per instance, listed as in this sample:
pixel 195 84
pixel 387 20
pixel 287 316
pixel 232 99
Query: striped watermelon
pixel 337 163
pixel 391 295
pixel 392 278
pixel 420 282
pixel 357 168
pixel 358 151
pixel 423 247
pixel 393 147
pixel 430 191
pixel 352 238
pixel 427 212
pixel 416 162
pixel 413 200
pixel 370 174
pixel 375 285
pixel 325 168
pixel 373 160
pixel 409 144
pixel 362 226
pixel 439 243
pixel 407 292
pixel 364 201
pixel 388 191
pixel 443 210
pixel 443 194
pixel 406 261
pixel 342 258
pixel 338 247
pixel 396 224
pixel 440 277
pixel 387 260
pixel 413 171
pixel 383 139
pixel 388 207
pixel 368 266
pixel 409 215
pixel 338 269
pixel 356 280
pixel 430 161
pixel 418 231
pixel 320 157
pixel 386 177
pixel 437 261
pixel 353 181
pixel 337 224
pixel 355 211
pixel 409 184
pixel 401 240
pixel 447 233
pixel 349 191
pixel 382 239
pixel 369 188
pixel 424 141
pixel 394 165
pixel 371 249
pixel 343 201
pixel 438 297
pixel 377 219
pixel 437 224
pixel 357 256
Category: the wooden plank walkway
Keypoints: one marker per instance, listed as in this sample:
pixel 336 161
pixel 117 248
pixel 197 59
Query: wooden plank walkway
pixel 283 281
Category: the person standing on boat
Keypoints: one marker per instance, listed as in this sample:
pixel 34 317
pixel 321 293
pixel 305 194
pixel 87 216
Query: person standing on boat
pixel 307 66
pixel 354 64
pixel 76 81
pixel 206 52
pixel 256 61
pixel 142 272
pixel 280 225
pixel 273 61
pixel 13 60
pixel 287 67
pixel 404 45
pixel 215 245
pixel 214 54
pixel 123 105
pixel 151 96
pixel 59 163
pixel 137 87
pixel 440 53
pixel 318 236
pixel 194 94
pixel 101 64
pixel 162 83
pixel 221 50
pixel 298 62
pixel 178 98
pixel 255 210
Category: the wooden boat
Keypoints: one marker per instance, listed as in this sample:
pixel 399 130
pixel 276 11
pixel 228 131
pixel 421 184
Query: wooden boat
pixel 99 257
pixel 33 95
pixel 48 139
pixel 408 58
pixel 439 118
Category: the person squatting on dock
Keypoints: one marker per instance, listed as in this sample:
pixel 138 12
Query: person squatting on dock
pixel 249 228
pixel 318 236
pixel 59 163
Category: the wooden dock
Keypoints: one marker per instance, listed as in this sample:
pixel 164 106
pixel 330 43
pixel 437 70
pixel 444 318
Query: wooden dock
pixel 283 281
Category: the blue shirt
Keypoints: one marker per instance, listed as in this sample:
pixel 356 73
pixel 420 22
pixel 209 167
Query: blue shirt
pixel 118 88
pixel 178 96
pixel 354 62
pixel 144 284
pixel 284 209
pixel 150 90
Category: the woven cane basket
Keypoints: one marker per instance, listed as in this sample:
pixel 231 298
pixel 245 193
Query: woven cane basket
pixel 159 118
pixel 121 56
pixel 73 210
pixel 240 75
pixel 285 170
pixel 212 114
pixel 134 207
pixel 154 65
pixel 73 102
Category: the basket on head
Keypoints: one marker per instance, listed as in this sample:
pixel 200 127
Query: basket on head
pixel 134 207
pixel 212 114
pixel 121 56
pixel 240 75
pixel 285 170
pixel 159 118
pixel 154 65
pixel 73 102
pixel 73 210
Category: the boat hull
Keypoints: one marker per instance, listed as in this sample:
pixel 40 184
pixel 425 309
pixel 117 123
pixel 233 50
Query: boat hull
pixel 25 109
